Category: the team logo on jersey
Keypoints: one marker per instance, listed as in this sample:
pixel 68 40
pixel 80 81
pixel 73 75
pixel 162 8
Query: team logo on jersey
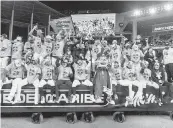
pixel 57 46
pixel 49 73
pixel 14 48
pixel 65 74
pixel 39 44
pixel 31 72
pixel 48 49
pixel 80 71
pixel 117 74
pixel 135 57
pixel 15 73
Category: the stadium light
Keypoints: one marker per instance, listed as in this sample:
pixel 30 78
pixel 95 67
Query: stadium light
pixel 168 7
pixel 152 10
pixel 137 13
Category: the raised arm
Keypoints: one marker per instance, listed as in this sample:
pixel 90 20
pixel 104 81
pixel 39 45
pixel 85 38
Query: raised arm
pixel 34 28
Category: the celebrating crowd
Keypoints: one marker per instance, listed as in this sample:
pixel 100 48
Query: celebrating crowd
pixel 128 73
pixel 102 26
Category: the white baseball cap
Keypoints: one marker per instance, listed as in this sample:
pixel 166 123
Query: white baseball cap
pixel 48 37
pixel 19 38
pixel 114 41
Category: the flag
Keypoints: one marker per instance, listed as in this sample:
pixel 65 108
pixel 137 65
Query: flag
pixel 64 23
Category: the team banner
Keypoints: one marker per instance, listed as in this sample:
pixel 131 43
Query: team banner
pixel 64 23
pixel 94 24
pixel 162 27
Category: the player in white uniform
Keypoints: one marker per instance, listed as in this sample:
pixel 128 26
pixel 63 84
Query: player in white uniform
pixel 29 45
pixel 130 81
pixel 168 61
pixel 37 45
pixel 115 73
pixel 64 74
pixel 58 48
pixel 46 48
pixel 16 73
pixel 17 48
pixel 33 77
pixel 81 77
pixel 47 78
pixel 136 56
pixel 126 54
pixel 115 52
pixel 96 49
pixel 5 51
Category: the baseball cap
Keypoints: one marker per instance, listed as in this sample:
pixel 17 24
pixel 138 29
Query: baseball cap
pixel 19 38
pixel 39 30
pixel 4 35
pixel 48 37
pixel 114 41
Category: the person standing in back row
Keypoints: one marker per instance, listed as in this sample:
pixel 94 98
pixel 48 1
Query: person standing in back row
pixel 168 61
pixel 5 51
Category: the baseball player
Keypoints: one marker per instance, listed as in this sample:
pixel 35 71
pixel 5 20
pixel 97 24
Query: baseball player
pixel 5 50
pixel 17 48
pixel 33 76
pixel 15 72
pixel 64 74
pixel 81 77
pixel 46 48
pixel 136 56
pixel 58 47
pixel 134 97
pixel 37 46
pixel 115 73
pixel 168 62
pixel 47 78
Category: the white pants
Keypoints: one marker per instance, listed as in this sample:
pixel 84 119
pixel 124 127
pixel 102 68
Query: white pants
pixel 86 82
pixel 7 81
pixel 44 82
pixel 4 62
pixel 54 61
pixel 16 87
pixel 113 82
pixel 36 84
pixel 129 84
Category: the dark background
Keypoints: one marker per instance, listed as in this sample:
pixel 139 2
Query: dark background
pixel 113 6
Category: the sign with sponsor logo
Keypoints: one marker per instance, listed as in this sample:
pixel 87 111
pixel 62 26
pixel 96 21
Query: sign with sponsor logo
pixel 162 27
pixel 27 98
pixel 64 23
